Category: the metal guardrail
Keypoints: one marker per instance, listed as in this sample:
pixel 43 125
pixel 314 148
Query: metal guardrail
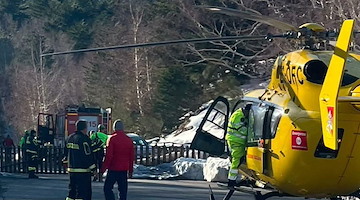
pixel 13 159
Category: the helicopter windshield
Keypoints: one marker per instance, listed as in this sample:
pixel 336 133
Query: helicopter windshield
pixel 352 68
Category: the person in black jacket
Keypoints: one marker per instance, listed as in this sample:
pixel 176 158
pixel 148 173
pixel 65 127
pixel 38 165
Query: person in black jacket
pixel 31 152
pixel 80 163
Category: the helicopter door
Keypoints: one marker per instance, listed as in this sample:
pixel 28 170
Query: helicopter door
pixel 210 136
pixel 46 127
pixel 258 137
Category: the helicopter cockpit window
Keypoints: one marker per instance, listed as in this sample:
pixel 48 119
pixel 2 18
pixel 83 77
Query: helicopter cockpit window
pixel 256 123
pixel 315 72
pixel 251 137
pixel 275 119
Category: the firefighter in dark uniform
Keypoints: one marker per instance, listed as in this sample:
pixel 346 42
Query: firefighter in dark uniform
pixel 31 152
pixel 80 163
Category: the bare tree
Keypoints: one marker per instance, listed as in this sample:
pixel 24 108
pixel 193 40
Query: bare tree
pixel 234 56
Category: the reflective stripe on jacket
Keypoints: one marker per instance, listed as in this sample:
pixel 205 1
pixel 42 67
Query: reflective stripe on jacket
pixel 31 144
pixel 79 153
pixel 237 129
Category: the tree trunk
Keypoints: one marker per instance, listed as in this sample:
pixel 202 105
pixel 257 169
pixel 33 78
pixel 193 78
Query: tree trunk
pixel 136 17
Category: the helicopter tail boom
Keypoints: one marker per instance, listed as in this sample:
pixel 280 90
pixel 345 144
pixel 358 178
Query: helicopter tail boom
pixel 329 93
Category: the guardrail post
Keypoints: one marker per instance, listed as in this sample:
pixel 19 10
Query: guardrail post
pixel 18 150
pixel 141 154
pixel 182 151
pixel 158 154
pixel 153 155
pixel 175 152
pixel 187 152
pixel 147 156
pixel 164 154
pixel 136 154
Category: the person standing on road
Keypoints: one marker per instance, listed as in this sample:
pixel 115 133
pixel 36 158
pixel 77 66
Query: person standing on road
pixel 99 140
pixel 23 150
pixel 23 139
pixel 31 152
pixel 119 160
pixel 80 163
pixel 236 138
pixel 8 142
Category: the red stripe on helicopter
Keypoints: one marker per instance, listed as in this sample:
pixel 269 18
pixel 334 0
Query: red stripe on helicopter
pixel 299 140
pixel 250 156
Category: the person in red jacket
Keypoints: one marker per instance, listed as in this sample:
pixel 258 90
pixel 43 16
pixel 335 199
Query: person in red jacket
pixel 119 161
pixel 8 142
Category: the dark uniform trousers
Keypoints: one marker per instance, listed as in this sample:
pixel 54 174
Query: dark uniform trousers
pixel 32 162
pixel 119 177
pixel 31 146
pixel 80 186
pixel 80 164
pixel 99 157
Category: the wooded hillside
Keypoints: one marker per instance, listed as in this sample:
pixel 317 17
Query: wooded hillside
pixel 148 88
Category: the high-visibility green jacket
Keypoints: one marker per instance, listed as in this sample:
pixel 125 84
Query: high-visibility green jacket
pixel 101 136
pixel 22 141
pixel 237 127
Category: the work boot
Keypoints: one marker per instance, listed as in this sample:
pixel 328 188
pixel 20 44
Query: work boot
pixel 32 175
pixel 231 183
pixel 243 182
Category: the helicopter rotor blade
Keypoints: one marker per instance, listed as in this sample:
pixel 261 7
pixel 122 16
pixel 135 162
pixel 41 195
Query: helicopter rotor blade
pixel 163 43
pixel 252 16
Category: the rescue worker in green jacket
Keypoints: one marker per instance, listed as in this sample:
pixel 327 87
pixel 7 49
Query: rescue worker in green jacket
pixel 31 152
pixel 236 138
pixel 98 145
pixel 23 139
pixel 23 150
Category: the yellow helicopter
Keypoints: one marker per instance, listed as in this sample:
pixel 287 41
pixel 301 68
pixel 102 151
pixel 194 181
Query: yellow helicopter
pixel 304 127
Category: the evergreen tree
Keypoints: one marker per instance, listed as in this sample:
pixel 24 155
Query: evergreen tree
pixel 6 53
pixel 177 94
pixel 16 8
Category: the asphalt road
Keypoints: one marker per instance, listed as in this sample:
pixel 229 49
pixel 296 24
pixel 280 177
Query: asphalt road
pixel 54 187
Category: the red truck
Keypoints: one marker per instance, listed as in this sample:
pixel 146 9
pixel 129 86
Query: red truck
pixel 54 129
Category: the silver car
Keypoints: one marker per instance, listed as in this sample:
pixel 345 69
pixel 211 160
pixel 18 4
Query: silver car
pixel 140 143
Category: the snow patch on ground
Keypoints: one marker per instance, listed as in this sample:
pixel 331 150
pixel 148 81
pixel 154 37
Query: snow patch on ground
pixel 163 171
pixel 189 168
pixel 216 169
pixel 211 169
pixel 182 168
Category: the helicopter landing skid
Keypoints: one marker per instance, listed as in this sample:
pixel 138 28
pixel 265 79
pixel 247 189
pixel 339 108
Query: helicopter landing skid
pixel 259 193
